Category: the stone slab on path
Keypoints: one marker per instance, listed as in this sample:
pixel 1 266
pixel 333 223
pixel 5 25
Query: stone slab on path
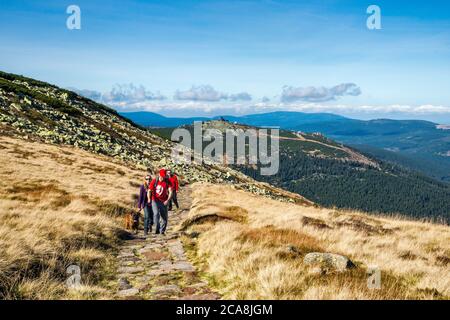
pixel 154 255
pixel 128 292
pixel 156 266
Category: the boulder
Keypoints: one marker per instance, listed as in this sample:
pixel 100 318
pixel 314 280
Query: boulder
pixel 328 261
pixel 124 284
pixel 170 289
pixel 130 270
pixel 128 292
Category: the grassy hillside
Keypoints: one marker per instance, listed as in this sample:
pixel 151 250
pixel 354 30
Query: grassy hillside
pixel 60 206
pixel 51 219
pixel 253 248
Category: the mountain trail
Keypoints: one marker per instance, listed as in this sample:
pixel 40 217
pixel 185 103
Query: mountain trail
pixel 352 154
pixel 156 267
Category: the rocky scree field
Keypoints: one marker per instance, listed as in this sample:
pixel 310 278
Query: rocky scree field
pixel 35 110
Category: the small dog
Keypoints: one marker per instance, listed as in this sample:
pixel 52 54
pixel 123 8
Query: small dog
pixel 131 221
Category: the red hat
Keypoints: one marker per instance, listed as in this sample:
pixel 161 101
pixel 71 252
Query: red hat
pixel 162 173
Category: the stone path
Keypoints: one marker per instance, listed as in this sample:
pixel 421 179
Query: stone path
pixel 157 267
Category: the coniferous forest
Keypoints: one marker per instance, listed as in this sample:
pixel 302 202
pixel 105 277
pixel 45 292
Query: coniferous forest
pixel 331 182
pixel 321 171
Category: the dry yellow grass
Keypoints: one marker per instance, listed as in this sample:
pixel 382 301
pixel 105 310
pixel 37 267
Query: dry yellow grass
pixel 59 206
pixel 248 259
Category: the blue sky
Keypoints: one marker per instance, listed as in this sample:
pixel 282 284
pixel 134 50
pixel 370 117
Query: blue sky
pixel 209 57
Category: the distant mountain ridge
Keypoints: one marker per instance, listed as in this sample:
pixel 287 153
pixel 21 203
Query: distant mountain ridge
pixel 278 118
pixel 334 175
pixel 423 144
pixel 151 119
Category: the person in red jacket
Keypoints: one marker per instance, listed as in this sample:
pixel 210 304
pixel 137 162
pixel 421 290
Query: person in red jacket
pixel 161 192
pixel 175 185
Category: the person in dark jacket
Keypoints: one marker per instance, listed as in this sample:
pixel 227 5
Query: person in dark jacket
pixel 145 203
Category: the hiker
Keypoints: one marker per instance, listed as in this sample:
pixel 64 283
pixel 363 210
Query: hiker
pixel 175 185
pixel 162 191
pixel 144 202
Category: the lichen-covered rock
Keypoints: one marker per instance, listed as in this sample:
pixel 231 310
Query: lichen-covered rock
pixel 328 261
pixel 124 284
pixel 128 292
pixel 52 115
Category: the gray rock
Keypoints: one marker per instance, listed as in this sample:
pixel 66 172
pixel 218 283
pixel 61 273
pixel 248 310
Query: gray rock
pixel 169 289
pixel 328 260
pixel 176 249
pixel 183 266
pixel 143 279
pixel 152 246
pixel 156 272
pixel 126 263
pixel 124 284
pixel 130 270
pixel 128 292
pixel 163 263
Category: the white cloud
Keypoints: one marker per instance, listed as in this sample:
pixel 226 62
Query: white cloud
pixel 242 96
pixel 90 94
pixel 130 93
pixel 319 94
pixel 371 110
pixel 121 93
pixel 217 108
pixel 200 93
pixel 205 99
pixel 209 94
